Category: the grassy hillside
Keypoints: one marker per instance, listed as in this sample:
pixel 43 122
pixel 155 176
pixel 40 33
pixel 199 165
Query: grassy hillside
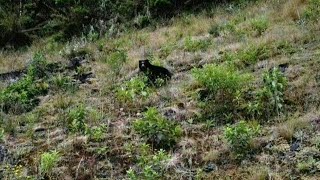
pixel 243 103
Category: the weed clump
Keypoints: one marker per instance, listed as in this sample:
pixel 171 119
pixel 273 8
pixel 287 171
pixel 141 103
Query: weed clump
pixel 196 45
pixel 239 137
pixel 312 11
pixel 269 99
pixel 21 96
pixel 260 25
pixel 222 86
pixel 159 132
pixel 150 166
pixel 133 90
pixel 48 161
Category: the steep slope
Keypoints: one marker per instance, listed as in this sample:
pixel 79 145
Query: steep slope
pixel 243 102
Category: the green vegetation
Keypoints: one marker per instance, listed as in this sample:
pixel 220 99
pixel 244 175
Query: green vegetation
pixel 48 161
pixel 313 10
pixel 196 45
pixel 133 90
pixel 260 25
pixel 243 100
pixel 223 85
pixel 239 137
pixel 270 99
pixel 150 166
pixel 115 61
pixel 22 96
pixel 159 132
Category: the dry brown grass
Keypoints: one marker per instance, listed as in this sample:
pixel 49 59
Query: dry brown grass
pixel 293 9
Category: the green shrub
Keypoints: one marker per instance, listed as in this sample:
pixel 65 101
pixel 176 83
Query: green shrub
pixel 21 96
pixel 215 30
pixel 166 50
pixel 307 166
pixel 1 135
pixel 150 166
pixel 260 25
pixel 158 131
pixel 62 82
pixel 76 119
pixel 196 45
pixel 239 137
pixel 313 10
pixel 48 161
pixel 252 54
pixel 38 66
pixel 220 79
pixel 270 99
pixel 97 134
pixel 134 89
pixel 222 85
pixel 115 61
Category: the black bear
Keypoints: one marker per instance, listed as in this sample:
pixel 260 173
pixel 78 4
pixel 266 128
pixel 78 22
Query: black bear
pixel 154 72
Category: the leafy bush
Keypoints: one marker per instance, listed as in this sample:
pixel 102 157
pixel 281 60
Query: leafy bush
pixel 260 25
pixel 76 118
pixel 222 85
pixel 252 54
pixel 220 79
pixel 150 166
pixel 21 96
pixel 158 131
pixel 97 134
pixel 133 90
pixel 38 66
pixel 270 99
pixel 1 135
pixel 62 82
pixel 215 30
pixel 239 137
pixel 115 61
pixel 313 10
pixel 48 161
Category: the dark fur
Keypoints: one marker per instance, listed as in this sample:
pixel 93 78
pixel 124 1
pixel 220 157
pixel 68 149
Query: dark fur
pixel 154 72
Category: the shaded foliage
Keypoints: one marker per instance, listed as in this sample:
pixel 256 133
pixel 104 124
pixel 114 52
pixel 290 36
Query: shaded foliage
pixel 22 21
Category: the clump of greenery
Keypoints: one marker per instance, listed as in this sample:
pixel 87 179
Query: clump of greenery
pixel 307 165
pixel 313 10
pixel 1 135
pixel 48 161
pixel 239 137
pixel 222 85
pixel 196 45
pixel 215 30
pixel 260 25
pixel 21 96
pixel 79 119
pixel 38 66
pixel 76 118
pixel 133 90
pixel 252 54
pixel 270 99
pixel 97 134
pixel 158 131
pixel 115 61
pixel 166 50
pixel 62 82
pixel 151 166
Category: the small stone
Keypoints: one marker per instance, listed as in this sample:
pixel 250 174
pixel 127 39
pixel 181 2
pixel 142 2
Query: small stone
pixel 210 167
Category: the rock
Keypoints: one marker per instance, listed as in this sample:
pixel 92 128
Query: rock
pixel 3 153
pixel 210 167
pixel 295 146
